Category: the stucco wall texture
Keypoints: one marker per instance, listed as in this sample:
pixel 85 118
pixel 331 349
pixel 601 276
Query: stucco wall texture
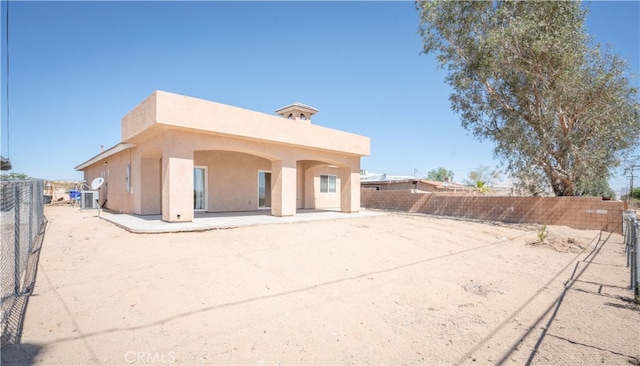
pixel 586 213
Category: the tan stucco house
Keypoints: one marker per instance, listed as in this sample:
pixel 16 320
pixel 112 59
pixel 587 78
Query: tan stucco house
pixel 180 155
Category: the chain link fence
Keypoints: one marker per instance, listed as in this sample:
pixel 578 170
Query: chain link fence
pixel 631 231
pixel 23 225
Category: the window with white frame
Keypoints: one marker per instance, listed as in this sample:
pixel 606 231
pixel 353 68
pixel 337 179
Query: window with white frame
pixel 327 184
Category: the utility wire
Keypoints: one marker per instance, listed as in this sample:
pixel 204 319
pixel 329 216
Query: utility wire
pixel 7 77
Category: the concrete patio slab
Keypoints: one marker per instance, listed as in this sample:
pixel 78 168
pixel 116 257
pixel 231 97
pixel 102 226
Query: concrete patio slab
pixel 150 224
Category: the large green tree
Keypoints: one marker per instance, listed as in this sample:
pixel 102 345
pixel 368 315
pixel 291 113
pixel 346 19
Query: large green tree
pixel 13 176
pixel 524 76
pixel 439 174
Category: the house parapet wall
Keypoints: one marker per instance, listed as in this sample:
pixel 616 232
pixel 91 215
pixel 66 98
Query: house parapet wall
pixel 585 213
pixel 162 111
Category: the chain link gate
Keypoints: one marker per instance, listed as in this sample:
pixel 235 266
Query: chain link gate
pixel 631 232
pixel 23 225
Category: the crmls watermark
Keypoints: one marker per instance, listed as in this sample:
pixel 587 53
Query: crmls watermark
pixel 150 357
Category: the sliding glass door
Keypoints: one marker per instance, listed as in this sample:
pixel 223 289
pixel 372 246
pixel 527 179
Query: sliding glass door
pixel 200 188
pixel 264 189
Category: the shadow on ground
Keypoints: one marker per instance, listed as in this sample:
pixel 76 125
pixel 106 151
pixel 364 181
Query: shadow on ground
pixel 19 354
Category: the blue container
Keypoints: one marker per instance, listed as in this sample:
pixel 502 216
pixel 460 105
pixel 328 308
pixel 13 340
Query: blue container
pixel 74 195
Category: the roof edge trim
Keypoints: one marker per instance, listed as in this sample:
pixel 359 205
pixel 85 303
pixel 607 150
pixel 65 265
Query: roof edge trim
pixel 105 154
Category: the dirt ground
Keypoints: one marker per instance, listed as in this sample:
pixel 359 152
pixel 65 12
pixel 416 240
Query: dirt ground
pixel 390 289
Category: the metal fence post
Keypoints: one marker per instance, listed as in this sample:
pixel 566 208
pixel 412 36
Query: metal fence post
pixel 635 268
pixel 625 234
pixel 628 240
pixel 633 248
pixel 30 207
pixel 631 231
pixel 16 235
pixel 40 207
pixel 632 259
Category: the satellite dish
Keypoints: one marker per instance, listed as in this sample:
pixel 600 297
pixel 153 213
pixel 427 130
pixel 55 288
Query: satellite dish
pixel 97 183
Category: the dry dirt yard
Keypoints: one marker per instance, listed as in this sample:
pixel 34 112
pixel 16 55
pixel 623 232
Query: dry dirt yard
pixel 390 289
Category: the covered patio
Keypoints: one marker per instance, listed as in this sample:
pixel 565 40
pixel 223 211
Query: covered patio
pixel 204 221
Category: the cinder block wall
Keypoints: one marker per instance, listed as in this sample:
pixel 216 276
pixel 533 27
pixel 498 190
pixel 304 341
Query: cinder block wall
pixel 587 213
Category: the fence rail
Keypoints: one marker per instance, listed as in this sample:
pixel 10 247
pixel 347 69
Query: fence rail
pixel 23 224
pixel 631 231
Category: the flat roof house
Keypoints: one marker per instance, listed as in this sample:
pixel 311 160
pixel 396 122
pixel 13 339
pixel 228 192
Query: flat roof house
pixel 180 155
pixel 382 182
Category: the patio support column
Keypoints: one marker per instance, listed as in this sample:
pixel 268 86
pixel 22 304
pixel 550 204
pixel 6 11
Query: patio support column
pixel 177 187
pixel 283 187
pixel 350 189
pixel 310 189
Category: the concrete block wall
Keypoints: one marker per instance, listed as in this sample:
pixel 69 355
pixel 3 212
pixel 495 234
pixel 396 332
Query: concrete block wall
pixel 586 213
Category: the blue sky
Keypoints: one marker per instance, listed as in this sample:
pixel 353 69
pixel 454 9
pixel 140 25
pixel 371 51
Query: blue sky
pixel 76 68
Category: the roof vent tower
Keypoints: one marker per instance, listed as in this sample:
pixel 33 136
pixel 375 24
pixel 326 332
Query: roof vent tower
pixel 298 112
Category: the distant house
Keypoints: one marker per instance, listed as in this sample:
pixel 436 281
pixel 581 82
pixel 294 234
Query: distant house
pixel 386 182
pixel 180 155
